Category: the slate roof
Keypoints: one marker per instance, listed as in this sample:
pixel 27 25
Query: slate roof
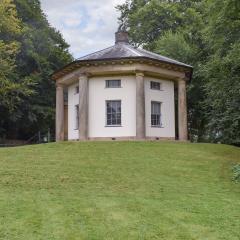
pixel 125 50
pixel 122 50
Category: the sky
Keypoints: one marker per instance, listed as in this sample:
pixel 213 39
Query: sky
pixel 86 25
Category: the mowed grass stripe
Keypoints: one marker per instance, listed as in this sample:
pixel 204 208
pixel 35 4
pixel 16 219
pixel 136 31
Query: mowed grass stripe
pixel 119 190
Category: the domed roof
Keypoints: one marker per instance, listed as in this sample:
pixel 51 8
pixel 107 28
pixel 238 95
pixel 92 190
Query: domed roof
pixel 125 50
pixel 122 50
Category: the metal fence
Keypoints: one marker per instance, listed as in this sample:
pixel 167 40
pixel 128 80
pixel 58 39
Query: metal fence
pixel 38 138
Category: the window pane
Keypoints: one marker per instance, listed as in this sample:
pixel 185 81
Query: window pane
pixel 113 112
pixel 156 107
pixel 109 122
pixel 156 113
pixel 118 121
pixel 118 108
pixel 113 83
pixel 155 85
pixel 157 120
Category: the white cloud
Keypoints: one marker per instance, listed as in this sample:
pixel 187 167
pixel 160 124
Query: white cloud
pixel 87 25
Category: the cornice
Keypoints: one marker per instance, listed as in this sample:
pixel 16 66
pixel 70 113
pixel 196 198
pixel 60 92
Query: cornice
pixel 126 61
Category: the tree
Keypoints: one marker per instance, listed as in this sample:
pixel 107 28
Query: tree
pixel 11 91
pixel 204 34
pixel 41 50
pixel 222 71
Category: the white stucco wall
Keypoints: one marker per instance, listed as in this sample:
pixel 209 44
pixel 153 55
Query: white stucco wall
pixel 166 97
pixel 98 95
pixel 73 99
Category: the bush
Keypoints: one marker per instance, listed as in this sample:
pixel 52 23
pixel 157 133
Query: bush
pixel 236 173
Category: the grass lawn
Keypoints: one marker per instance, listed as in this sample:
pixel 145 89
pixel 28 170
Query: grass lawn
pixel 119 190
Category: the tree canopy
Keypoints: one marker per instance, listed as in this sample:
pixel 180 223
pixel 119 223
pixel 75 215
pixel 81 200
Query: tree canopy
pixel 204 34
pixel 11 90
pixel 30 50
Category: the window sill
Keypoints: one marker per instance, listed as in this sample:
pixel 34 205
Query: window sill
pixel 112 87
pixel 157 127
pixel 157 89
pixel 113 125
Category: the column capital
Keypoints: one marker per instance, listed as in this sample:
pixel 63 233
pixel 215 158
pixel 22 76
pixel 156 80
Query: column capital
pixel 139 74
pixel 59 85
pixel 182 80
pixel 84 75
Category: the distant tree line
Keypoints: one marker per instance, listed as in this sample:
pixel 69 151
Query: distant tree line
pixel 205 34
pixel 30 50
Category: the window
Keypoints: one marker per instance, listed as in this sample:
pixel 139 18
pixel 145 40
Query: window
pixel 76 89
pixel 113 83
pixel 156 114
pixel 113 112
pixel 76 116
pixel 155 85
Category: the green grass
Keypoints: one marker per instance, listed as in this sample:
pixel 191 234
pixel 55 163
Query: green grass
pixel 119 190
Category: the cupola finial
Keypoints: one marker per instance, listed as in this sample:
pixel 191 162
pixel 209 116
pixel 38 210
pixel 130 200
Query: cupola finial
pixel 121 36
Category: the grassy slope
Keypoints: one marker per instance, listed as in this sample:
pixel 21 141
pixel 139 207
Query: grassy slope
pixel 119 190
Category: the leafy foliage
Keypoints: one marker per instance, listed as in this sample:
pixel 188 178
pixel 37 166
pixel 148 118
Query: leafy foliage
pixel 204 34
pixel 12 91
pixel 34 51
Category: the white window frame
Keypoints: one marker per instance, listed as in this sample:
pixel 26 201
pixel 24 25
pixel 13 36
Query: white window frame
pixel 155 88
pixel 108 85
pixel 158 115
pixel 106 115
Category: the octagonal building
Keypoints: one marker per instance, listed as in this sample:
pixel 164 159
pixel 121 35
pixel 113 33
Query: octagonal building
pixel 122 92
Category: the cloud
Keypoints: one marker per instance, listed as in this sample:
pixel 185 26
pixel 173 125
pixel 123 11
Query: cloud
pixel 87 25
